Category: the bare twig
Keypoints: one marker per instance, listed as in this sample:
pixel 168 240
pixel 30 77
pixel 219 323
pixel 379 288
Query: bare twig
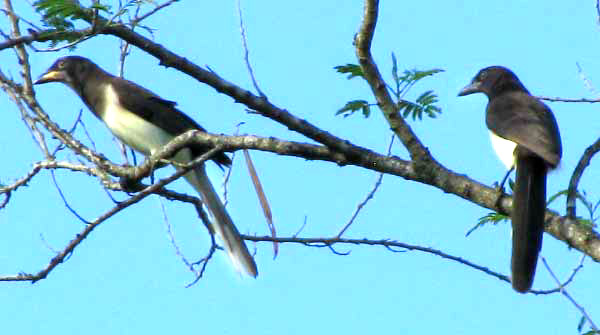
pixel 369 195
pixel 6 199
pixel 246 52
pixel 20 49
pixel 569 297
pixel 583 163
pixel 138 19
pixel 11 88
pixel 557 99
pixel 70 44
pixel 204 261
pixel 119 207
pixel 301 227
pixel 229 170
pixel 586 82
pixel 598 10
pixel 49 165
pixel 171 236
pixel 322 242
pixel 26 89
pixel 64 199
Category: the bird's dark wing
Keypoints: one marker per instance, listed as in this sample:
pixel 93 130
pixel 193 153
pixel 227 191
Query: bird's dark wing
pixel 523 119
pixel 160 112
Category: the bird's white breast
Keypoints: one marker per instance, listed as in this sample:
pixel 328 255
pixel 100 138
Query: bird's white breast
pixel 505 149
pixel 131 129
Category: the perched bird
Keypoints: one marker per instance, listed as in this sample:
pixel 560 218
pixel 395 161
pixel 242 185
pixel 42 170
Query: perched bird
pixel 524 134
pixel 145 122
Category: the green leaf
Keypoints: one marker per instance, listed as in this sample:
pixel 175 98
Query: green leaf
pixel 60 13
pixel 353 70
pixel 355 105
pixel 100 7
pixel 407 108
pixel 423 105
pixel 493 218
pixel 416 75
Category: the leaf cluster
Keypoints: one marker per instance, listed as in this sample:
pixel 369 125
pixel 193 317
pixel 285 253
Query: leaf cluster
pixel 424 104
pixel 60 14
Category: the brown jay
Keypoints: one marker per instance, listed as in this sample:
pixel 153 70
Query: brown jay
pixel 145 122
pixel 524 135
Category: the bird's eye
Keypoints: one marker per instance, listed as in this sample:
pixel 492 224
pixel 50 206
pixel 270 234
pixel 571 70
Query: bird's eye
pixel 61 64
pixel 481 76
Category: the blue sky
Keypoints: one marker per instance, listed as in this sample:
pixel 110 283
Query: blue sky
pixel 126 278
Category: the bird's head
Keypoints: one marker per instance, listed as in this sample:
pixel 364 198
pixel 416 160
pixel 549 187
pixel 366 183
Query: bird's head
pixel 70 70
pixel 492 81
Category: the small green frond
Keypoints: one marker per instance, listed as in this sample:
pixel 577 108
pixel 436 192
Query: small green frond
pixel 101 8
pixel 353 106
pixel 352 70
pixel 415 75
pixel 493 218
pixel 424 104
pixel 59 14
pixel 407 108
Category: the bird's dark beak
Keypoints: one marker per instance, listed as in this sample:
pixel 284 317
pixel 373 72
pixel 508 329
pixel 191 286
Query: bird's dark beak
pixel 50 76
pixel 474 87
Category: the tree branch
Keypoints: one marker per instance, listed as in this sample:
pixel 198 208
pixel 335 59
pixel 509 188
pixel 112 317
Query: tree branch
pixel 398 125
pixel 92 225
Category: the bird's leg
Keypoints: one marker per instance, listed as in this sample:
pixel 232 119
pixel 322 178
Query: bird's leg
pixel 131 186
pixel 500 187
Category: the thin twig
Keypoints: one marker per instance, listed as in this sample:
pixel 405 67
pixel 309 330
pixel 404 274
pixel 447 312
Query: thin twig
pixel 557 99
pixel 229 170
pixel 369 195
pixel 246 52
pixel 328 242
pixel 49 165
pixel 138 19
pixel 586 82
pixel 583 163
pixel 569 297
pixel 11 88
pixel 301 227
pixel 171 236
pixel 64 199
pixel 119 207
pixel 204 261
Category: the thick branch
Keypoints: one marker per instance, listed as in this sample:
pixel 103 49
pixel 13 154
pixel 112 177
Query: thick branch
pixel 423 169
pixel 578 236
pixel 371 73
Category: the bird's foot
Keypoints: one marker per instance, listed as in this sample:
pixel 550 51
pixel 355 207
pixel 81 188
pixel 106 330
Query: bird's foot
pixel 499 194
pixel 131 185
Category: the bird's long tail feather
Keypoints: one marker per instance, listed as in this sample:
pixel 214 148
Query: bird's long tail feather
pixel 222 224
pixel 529 206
